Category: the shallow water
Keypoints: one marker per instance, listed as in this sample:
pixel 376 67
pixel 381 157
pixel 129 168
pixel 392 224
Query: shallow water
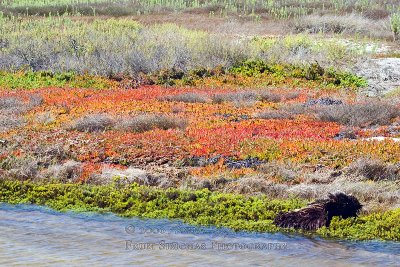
pixel 37 236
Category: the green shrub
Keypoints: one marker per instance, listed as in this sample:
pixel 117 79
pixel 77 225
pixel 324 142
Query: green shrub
pixel 250 68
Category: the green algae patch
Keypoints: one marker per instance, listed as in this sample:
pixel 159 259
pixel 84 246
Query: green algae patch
pixel 201 207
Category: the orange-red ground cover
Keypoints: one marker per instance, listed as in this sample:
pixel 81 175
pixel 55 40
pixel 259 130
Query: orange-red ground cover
pixel 224 129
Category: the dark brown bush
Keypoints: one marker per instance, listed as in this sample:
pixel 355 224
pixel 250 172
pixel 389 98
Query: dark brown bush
pixel 347 133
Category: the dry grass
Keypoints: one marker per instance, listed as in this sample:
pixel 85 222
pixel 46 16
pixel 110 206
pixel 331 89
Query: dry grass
pixel 345 24
pixel 12 105
pixel 247 97
pixel 375 170
pixel 362 114
pixel 21 169
pixel 252 185
pixel 50 154
pixel 139 123
pixel 8 122
pixel 376 14
pixel 373 196
pixel 186 98
pixel 45 118
pixel 12 108
pixel 239 99
pixel 93 123
pixel 115 47
pixel 35 100
pixel 278 171
pixel 127 176
pixel 294 109
pixel 69 172
pixel 147 122
pixel 270 97
pixel 274 115
pixel 292 95
pixel 279 180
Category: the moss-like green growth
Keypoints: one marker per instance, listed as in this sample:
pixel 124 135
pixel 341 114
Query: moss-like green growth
pixel 42 79
pixel 200 207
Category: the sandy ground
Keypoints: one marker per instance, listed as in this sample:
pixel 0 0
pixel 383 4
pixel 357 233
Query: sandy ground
pixel 383 75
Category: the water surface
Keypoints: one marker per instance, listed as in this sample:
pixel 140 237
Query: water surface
pixel 37 236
